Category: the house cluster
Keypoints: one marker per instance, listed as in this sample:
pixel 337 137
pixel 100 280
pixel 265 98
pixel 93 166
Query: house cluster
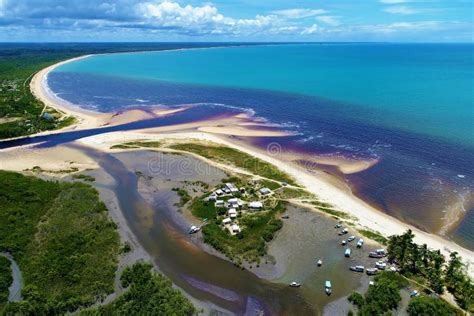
pixel 226 197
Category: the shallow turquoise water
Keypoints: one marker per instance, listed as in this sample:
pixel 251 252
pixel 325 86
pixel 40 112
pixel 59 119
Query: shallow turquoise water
pixel 422 88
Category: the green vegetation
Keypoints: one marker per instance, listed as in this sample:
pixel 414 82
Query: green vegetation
pixel 250 244
pixel 429 267
pixel 6 280
pixel 272 185
pixel 146 294
pixel 237 158
pixel 426 305
pixel 83 177
pixel 63 241
pixel 328 208
pixel 294 193
pixel 378 237
pixel 131 145
pixel 184 196
pixel 381 297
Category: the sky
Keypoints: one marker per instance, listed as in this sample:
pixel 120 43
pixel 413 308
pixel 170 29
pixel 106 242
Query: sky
pixel 236 20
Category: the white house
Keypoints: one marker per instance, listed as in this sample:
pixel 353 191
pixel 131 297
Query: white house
pixel 265 191
pixel 212 197
pixel 219 203
pixel 255 205
pixel 232 188
pixel 219 192
pixel 226 221
pixel 232 213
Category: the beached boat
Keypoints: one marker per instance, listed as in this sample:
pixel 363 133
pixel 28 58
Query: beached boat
pixel 338 225
pixel 343 242
pixel 295 284
pixel 371 271
pixel 285 217
pixel 351 238
pixel 347 253
pixel 380 265
pixel 374 254
pixel 357 268
pixel 328 287
pixel 343 232
pixel 360 243
pixel 194 229
pixel 320 262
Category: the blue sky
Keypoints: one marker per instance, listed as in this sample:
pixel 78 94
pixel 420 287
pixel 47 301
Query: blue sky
pixel 237 20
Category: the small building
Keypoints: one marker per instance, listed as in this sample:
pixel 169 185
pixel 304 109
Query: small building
pixel 226 190
pixel 255 205
pixel 219 203
pixel 232 200
pixel 219 192
pixel 232 213
pixel 265 191
pixel 234 205
pixel 242 190
pixel 212 197
pixel 47 116
pixel 235 228
pixel 231 187
pixel 226 221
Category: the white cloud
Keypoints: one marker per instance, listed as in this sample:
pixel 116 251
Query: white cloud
pixel 204 19
pixel 400 10
pixel 299 13
pixel 329 20
pixel 313 29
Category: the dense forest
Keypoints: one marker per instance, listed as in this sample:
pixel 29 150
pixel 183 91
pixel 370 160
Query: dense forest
pixel 424 269
pixel 67 249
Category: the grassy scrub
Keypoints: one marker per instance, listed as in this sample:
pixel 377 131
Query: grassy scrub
pixel 146 293
pixel 426 305
pixel 63 241
pixel 6 280
pixel 237 158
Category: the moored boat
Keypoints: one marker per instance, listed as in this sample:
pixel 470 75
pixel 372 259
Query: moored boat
pixel 328 287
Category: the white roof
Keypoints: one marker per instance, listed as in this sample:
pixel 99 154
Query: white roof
pixel 219 202
pixel 233 200
pixel 219 191
pixel 232 211
pixel 256 204
pixel 235 227
pixel 265 190
pixel 226 220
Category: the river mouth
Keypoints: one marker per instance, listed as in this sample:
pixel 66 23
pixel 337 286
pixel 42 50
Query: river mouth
pixel 148 202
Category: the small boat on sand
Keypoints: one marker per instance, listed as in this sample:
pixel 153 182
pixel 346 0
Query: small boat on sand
pixel 347 253
pixel 295 284
pixel 343 232
pixel 343 242
pixel 371 271
pixel 328 287
pixel 320 262
pixel 351 238
pixel 357 268
pixel 338 225
pixel 194 229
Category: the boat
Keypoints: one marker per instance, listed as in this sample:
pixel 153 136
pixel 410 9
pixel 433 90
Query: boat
pixel 357 268
pixel 194 229
pixel 360 243
pixel 285 216
pixel 338 225
pixel 328 287
pixel 371 271
pixel 380 265
pixel 343 242
pixel 351 238
pixel 320 262
pixel 374 254
pixel 295 284
pixel 347 253
pixel 343 232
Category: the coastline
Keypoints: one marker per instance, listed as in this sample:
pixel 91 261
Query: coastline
pixel 367 215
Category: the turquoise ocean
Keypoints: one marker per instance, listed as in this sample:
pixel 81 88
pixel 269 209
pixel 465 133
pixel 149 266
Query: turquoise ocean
pixel 408 105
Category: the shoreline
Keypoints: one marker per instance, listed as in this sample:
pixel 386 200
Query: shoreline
pixel 367 215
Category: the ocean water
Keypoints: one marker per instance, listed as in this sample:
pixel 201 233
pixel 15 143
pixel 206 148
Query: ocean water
pixel 410 106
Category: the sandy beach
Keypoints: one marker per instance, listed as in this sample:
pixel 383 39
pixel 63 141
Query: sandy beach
pixel 215 132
